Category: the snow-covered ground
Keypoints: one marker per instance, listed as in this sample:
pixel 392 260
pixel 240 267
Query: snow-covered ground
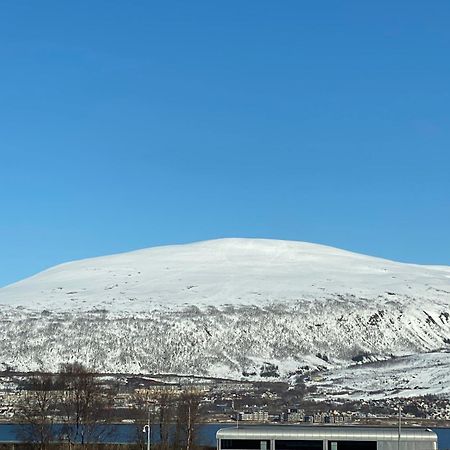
pixel 224 271
pixel 406 376
pixel 236 308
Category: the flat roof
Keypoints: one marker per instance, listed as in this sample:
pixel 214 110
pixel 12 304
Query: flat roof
pixel 330 432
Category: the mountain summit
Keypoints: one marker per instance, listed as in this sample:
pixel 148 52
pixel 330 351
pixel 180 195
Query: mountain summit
pixel 219 272
pixel 240 308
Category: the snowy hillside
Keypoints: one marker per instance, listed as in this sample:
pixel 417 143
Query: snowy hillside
pixel 233 307
pixel 406 376
pixel 226 271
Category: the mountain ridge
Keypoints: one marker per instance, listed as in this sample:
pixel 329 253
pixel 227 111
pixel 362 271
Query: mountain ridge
pixel 297 267
pixel 238 308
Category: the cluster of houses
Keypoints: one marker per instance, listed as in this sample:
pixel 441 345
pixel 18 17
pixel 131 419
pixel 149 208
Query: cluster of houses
pixel 243 401
pixel 292 415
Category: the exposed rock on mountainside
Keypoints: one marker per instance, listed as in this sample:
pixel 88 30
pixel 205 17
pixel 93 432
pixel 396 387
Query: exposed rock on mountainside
pixel 242 308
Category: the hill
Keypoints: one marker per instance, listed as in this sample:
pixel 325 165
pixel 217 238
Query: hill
pixel 239 308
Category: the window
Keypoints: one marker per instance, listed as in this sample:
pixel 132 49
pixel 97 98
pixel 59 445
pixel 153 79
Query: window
pixel 244 444
pixel 352 445
pixel 300 445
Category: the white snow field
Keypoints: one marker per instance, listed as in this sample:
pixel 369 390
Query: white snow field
pixel 235 308
pixel 224 271
pixel 406 376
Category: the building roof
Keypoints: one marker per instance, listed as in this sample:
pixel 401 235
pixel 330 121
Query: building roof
pixel 333 432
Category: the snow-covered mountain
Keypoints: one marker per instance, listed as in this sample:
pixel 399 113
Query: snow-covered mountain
pixel 238 308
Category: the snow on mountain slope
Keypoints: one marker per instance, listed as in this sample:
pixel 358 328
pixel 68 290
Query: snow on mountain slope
pixel 407 376
pixel 226 271
pixel 238 308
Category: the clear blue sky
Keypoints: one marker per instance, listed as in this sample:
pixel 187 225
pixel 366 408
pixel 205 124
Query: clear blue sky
pixel 128 124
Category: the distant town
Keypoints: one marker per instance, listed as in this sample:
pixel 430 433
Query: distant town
pixel 222 401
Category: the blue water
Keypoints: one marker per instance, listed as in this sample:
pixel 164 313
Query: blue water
pixel 126 433
pixel 120 433
pixel 443 437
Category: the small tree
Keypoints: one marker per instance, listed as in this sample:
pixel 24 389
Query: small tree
pixel 188 406
pixel 84 403
pixel 143 412
pixel 157 408
pixel 36 409
pixel 165 401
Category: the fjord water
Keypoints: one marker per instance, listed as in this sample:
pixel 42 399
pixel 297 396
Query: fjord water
pixel 128 433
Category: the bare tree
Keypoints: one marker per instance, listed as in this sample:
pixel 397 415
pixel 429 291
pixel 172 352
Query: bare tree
pixel 174 416
pixel 165 401
pixel 186 428
pixel 143 412
pixel 156 407
pixel 37 410
pixel 85 404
